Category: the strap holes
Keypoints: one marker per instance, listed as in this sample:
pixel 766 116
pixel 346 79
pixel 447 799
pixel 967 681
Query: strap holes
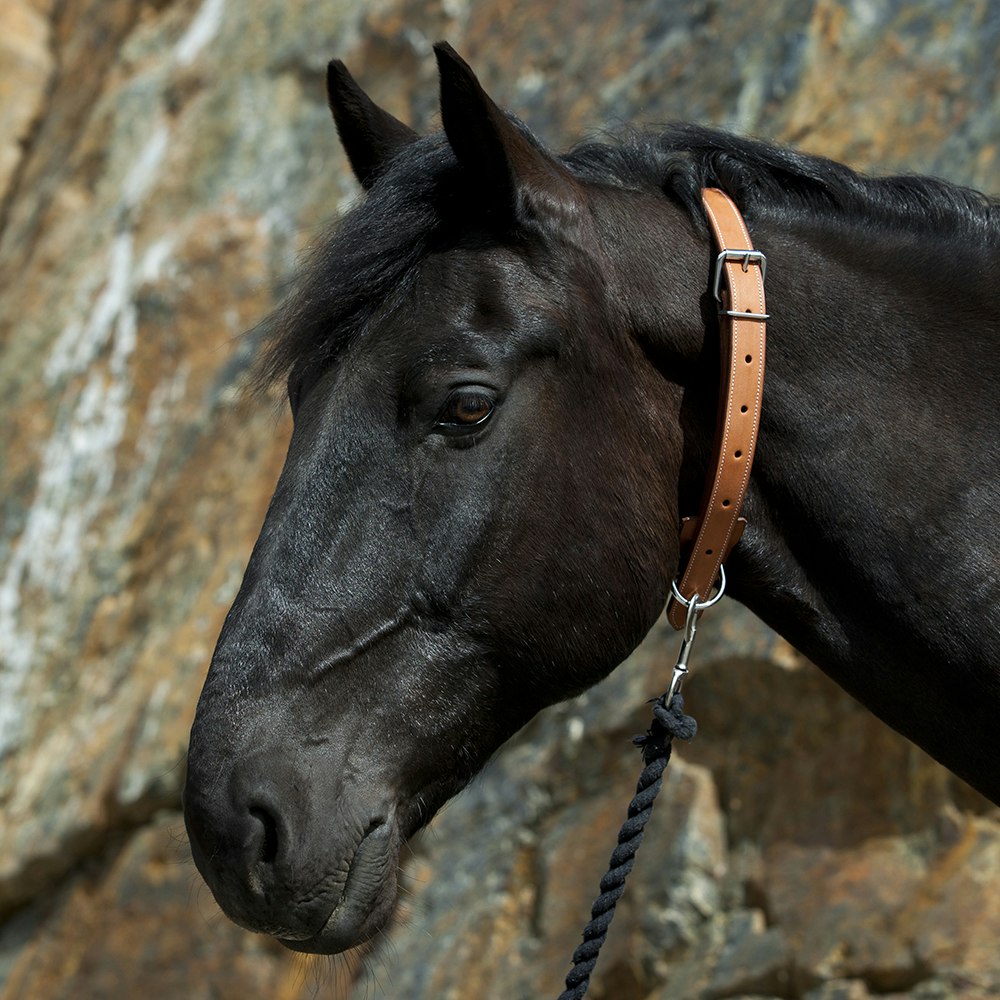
pixel 744 408
pixel 725 503
pixel 708 552
pixel 749 358
pixel 737 453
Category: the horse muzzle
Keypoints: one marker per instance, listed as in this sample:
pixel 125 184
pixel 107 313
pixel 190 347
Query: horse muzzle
pixel 366 900
pixel 318 872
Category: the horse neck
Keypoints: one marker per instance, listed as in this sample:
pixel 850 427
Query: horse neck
pixel 874 498
pixel 873 501
pixel 878 399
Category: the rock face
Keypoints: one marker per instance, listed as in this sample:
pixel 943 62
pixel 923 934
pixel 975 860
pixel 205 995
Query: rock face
pixel 162 162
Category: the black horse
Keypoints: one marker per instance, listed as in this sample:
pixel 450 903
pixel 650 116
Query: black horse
pixel 503 369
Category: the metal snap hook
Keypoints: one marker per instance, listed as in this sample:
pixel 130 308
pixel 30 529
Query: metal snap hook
pixel 694 609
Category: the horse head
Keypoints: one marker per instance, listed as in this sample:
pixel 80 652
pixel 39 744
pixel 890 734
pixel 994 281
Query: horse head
pixel 476 517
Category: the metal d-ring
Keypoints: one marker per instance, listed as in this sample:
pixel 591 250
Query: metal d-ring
pixel 700 606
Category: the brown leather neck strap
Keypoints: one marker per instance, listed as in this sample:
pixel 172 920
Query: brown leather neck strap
pixel 739 287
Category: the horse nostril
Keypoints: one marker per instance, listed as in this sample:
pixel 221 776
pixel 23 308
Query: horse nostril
pixel 269 843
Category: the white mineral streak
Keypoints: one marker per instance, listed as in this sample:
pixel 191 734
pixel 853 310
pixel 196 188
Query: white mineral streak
pixel 77 468
pixel 135 780
pixel 76 473
pixel 203 28
pixel 152 437
pixel 78 462
pixel 143 171
pixel 80 343
pixel 153 266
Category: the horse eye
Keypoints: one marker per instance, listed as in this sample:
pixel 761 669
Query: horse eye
pixel 466 408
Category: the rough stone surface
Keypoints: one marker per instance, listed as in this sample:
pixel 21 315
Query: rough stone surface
pixel 162 162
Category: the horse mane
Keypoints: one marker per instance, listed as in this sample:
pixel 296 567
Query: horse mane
pixel 363 264
pixel 766 179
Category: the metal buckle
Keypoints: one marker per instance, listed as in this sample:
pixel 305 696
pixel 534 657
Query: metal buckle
pixel 746 257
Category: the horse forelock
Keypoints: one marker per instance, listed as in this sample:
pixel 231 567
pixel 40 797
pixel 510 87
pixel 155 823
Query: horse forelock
pixel 364 259
pixel 422 202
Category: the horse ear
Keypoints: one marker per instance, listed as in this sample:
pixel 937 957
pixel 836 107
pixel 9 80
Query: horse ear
pixel 509 164
pixel 371 136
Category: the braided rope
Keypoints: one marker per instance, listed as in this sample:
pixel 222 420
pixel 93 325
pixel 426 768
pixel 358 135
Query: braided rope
pixel 656 743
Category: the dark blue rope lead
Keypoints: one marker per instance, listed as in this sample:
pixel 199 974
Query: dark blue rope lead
pixel 656 743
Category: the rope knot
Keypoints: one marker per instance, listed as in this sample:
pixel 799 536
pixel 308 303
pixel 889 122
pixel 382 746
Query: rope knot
pixel 668 724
